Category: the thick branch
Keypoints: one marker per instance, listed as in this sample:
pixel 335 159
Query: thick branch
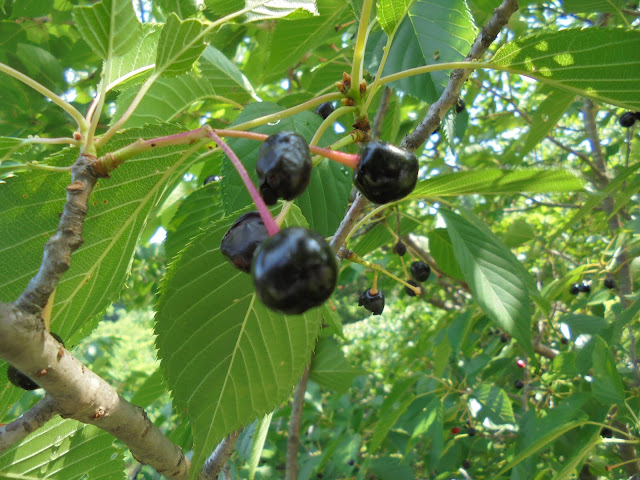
pixel 294 426
pixel 28 422
pixel 214 464
pixel 451 92
pixel 77 392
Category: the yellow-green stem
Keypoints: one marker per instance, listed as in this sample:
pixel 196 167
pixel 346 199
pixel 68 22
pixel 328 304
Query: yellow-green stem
pixel 355 258
pixel 361 43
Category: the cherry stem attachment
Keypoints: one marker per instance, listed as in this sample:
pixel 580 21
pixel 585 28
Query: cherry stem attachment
pixel 268 220
pixel 374 288
pixel 355 258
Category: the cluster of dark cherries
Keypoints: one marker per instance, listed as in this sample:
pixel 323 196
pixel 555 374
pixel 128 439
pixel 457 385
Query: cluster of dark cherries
pixel 295 269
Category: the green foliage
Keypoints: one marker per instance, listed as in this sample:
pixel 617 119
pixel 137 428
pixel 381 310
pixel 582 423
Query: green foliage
pixel 513 205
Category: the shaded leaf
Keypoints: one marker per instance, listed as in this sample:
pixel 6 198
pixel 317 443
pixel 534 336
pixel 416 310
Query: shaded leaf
pixel 607 384
pixel 110 27
pixel 580 61
pixel 496 405
pixel 330 369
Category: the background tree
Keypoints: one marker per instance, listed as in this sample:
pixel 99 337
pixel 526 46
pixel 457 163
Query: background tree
pixel 517 358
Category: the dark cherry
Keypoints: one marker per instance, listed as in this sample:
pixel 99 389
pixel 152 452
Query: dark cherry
pixel 466 464
pixel 374 302
pixel 324 110
pixel 400 248
pixel 284 167
pixel 609 283
pixel 585 287
pixel 211 178
pixel 420 271
pixel 242 239
pixel 575 288
pixel 460 106
pixel 294 270
pixel 19 379
pixel 504 338
pixel 564 340
pixel 385 172
pixel 518 384
pixel 410 292
pixel 627 119
pixel 606 432
pixel 471 431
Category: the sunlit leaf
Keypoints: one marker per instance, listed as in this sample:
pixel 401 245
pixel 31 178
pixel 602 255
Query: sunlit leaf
pixel 180 45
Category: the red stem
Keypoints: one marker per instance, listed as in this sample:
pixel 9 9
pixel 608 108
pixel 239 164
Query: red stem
pixel 265 214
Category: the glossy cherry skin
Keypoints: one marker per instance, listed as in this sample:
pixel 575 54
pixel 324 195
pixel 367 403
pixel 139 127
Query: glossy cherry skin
pixel 420 271
pixel 242 239
pixel 585 287
pixel 627 119
pixel 294 270
pixel 409 291
pixel 385 172
pixel 324 110
pixel 609 283
pixel 575 288
pixel 374 302
pixel 400 248
pixel 284 167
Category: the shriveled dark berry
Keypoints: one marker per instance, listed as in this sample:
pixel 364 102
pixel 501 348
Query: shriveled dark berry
pixel 609 283
pixel 242 239
pixel 466 464
pixel 460 106
pixel 627 119
pixel 471 431
pixel 211 178
pixel 294 270
pixel 585 287
pixel 400 248
pixel 324 110
pixel 575 288
pixel 518 384
pixel 409 291
pixel 420 271
pixel 606 432
pixel 20 380
pixel 564 340
pixel 374 302
pixel 385 172
pixel 504 338
pixel 351 462
pixel 284 167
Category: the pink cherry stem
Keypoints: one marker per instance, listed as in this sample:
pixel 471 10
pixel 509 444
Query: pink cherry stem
pixel 350 160
pixel 270 224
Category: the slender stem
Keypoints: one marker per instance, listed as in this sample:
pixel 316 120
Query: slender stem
pixel 129 75
pixel 275 117
pixel 333 116
pixel 127 114
pixel 294 426
pixel 99 104
pixel 45 141
pixel 66 106
pixel 361 42
pixel 270 224
pixel 376 84
pixel 355 258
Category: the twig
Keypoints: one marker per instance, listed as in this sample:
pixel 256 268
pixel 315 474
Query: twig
pixel 78 392
pixel 451 93
pixel 381 113
pixel 294 426
pixel 28 422
pixel 218 459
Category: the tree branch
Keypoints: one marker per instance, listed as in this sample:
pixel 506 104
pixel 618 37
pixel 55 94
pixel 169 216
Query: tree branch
pixel 294 426
pixel 451 92
pixel 28 422
pixel 216 462
pixel 77 392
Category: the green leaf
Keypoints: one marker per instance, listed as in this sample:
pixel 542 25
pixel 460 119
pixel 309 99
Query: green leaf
pixel 257 445
pixel 607 384
pixel 226 358
pixel 293 39
pixel 590 6
pixel 496 405
pixel 110 27
pixel 519 232
pixel 544 119
pixel 441 249
pixel 64 449
pixel 140 58
pixel 182 8
pixel 494 276
pixel 391 468
pixel 151 390
pixel 265 10
pixel 387 420
pixel 118 211
pixel 580 324
pixel 10 146
pixel 330 369
pixel 493 181
pixel 181 43
pixel 323 203
pixel 434 31
pixel 429 427
pixel 581 62
pixel 166 100
pixel 585 446
pixel 391 12
pixel 9 393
